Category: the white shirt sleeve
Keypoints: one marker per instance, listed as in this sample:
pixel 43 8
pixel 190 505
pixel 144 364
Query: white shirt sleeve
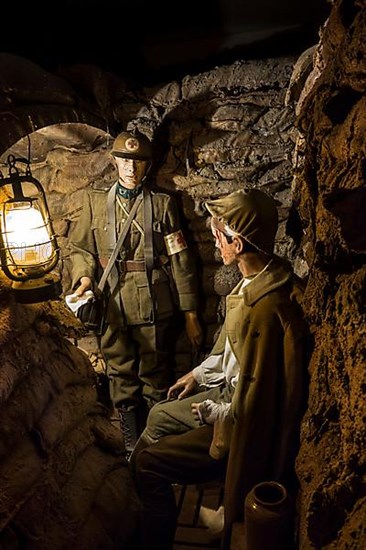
pixel 209 373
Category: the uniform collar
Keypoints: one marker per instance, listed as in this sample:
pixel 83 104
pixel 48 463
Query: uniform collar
pixel 276 274
pixel 128 193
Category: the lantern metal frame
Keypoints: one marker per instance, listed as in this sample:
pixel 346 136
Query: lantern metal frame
pixel 37 275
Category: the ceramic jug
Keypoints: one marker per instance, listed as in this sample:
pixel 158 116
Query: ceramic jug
pixel 268 517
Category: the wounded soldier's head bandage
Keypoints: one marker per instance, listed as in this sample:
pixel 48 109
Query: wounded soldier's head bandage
pixel 175 242
pixel 218 225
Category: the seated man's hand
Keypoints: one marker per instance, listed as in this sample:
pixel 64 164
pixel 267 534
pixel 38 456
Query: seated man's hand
pixel 183 387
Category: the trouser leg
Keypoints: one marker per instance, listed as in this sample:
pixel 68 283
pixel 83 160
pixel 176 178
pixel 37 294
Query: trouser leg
pixel 120 352
pixel 139 363
pixel 180 459
pixel 175 416
pixel 139 372
pixel 156 368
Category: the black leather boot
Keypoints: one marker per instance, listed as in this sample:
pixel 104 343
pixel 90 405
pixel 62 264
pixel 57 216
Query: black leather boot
pixel 130 428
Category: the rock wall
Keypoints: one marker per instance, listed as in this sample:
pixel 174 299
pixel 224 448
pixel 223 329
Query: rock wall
pixel 63 476
pixel 330 192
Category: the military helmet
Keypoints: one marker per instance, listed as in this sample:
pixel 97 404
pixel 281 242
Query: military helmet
pixel 132 146
pixel 252 214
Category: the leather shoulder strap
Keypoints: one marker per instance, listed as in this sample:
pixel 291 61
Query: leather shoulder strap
pixel 111 217
pixel 117 246
pixel 149 246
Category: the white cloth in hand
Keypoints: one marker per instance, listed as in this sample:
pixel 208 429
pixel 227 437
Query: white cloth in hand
pixel 73 301
pixel 209 411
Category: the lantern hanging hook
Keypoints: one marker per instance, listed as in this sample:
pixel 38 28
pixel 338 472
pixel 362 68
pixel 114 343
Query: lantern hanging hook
pixel 12 161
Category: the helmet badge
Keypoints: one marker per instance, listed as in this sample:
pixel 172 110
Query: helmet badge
pixel 132 144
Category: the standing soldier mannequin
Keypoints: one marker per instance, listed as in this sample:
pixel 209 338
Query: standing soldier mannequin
pixel 153 260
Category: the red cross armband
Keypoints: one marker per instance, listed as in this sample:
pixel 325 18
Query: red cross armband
pixel 175 242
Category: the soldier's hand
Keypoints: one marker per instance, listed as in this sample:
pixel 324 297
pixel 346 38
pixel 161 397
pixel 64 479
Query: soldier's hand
pixel 85 284
pixel 193 329
pixel 196 411
pixel 183 387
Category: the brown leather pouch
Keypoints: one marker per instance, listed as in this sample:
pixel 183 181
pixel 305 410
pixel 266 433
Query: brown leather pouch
pixel 92 314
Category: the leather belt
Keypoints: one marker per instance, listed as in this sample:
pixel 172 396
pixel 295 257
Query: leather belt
pixel 131 265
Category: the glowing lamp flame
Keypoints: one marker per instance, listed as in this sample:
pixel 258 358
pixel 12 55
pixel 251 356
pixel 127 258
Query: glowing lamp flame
pixel 26 235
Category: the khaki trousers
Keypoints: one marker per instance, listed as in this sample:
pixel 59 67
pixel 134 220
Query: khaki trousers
pixel 139 363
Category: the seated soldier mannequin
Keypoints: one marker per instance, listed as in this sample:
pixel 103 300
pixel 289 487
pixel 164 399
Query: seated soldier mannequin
pixel 250 386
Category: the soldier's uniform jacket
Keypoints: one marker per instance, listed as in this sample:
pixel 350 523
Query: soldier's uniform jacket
pixel 173 262
pixel 268 334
